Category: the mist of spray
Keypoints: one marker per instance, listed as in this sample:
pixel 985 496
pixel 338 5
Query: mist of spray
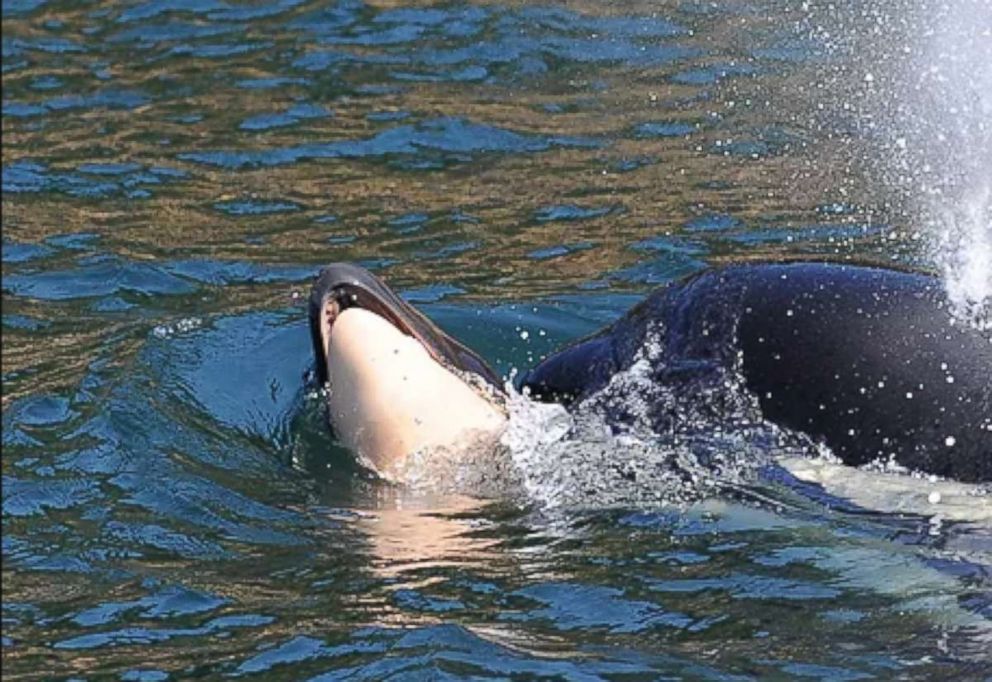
pixel 936 121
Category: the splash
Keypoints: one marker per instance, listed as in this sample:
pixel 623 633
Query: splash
pixel 926 81
pixel 663 432
pixel 637 442
pixel 949 107
pixel 641 442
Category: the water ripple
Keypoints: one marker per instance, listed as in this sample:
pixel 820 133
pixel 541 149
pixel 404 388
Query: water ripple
pixel 452 137
pixel 176 171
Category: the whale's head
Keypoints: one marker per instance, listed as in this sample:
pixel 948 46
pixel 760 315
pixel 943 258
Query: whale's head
pixel 397 383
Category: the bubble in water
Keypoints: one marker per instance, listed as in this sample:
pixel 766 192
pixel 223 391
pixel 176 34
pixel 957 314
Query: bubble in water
pixel 186 324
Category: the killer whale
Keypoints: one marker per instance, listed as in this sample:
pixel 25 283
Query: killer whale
pixel 341 286
pixel 397 385
pixel 869 361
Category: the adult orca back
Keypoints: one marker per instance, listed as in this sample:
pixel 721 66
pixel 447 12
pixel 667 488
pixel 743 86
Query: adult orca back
pixel 869 361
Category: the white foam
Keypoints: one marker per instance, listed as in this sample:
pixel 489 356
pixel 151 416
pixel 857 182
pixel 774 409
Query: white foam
pixel 182 326
pixel 641 440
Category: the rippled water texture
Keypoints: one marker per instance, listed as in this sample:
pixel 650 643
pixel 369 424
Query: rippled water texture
pixel 175 171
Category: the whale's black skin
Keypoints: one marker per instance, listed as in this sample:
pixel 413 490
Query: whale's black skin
pixel 351 286
pixel 867 360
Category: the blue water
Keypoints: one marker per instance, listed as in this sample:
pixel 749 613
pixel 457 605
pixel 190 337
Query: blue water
pixel 175 172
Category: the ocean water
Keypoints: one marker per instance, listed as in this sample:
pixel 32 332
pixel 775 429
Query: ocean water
pixel 176 171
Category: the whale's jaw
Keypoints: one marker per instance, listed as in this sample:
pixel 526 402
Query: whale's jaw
pixel 389 398
pixel 342 286
pixel 398 385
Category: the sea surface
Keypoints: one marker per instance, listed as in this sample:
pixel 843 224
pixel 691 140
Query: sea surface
pixel 176 171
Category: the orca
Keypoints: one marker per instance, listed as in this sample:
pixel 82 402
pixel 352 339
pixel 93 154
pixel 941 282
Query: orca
pixel 869 361
pixel 396 383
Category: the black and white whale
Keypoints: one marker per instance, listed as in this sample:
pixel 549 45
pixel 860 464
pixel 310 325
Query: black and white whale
pixel 397 383
pixel 868 361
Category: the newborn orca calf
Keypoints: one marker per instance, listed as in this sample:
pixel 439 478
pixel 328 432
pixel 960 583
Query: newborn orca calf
pixel 869 361
pixel 397 384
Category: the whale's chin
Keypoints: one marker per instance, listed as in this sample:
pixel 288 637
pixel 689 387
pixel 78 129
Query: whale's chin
pixel 389 398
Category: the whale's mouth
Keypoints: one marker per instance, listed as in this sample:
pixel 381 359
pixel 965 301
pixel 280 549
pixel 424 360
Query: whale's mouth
pixel 341 286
